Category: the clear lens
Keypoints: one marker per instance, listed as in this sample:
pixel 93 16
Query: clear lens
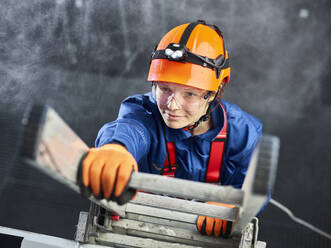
pixel 182 97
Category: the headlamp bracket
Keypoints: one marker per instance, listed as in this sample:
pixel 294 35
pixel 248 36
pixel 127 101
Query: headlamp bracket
pixel 176 52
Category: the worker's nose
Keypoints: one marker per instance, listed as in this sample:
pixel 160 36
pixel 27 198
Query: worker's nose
pixel 172 103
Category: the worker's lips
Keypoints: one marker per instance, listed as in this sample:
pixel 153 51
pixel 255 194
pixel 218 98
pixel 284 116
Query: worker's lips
pixel 173 117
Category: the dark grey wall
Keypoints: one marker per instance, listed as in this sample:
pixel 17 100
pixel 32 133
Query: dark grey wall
pixel 83 57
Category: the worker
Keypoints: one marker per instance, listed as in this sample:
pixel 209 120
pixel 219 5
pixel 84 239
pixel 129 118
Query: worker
pixel 182 128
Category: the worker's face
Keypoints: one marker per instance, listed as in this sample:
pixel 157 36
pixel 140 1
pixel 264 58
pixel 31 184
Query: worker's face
pixel 180 105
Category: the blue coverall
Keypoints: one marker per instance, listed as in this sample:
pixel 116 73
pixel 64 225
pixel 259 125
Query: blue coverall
pixel 141 129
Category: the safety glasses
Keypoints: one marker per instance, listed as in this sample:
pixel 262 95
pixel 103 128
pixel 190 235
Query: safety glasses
pixel 182 96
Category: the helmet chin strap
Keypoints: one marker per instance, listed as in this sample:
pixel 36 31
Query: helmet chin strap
pixel 204 117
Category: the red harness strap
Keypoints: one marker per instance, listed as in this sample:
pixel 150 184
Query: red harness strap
pixel 169 166
pixel 216 155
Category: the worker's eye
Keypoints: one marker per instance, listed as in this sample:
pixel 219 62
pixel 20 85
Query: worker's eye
pixel 190 94
pixel 164 89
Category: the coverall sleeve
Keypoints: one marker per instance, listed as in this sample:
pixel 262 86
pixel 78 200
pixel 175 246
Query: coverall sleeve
pixel 131 128
pixel 243 136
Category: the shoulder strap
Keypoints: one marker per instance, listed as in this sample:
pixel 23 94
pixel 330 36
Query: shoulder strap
pixel 216 155
pixel 169 166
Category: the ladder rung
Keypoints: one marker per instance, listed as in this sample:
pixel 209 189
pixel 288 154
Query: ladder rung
pixel 178 205
pixel 170 234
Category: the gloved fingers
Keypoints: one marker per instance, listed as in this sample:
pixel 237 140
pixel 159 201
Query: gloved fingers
pixel 205 225
pixel 210 225
pixel 106 171
pixel 201 224
pixel 218 227
pixel 123 176
pixel 86 164
pixel 227 228
pixel 134 163
pixel 108 179
pixel 127 195
pixel 95 175
pixel 213 226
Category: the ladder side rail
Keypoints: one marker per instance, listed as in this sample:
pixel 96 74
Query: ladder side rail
pixel 51 146
pixel 259 180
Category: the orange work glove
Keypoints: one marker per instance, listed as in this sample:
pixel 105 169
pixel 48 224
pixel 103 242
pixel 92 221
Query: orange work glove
pixel 212 226
pixel 107 171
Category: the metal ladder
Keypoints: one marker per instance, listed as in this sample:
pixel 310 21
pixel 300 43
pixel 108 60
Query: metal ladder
pixel 164 217
pixel 163 221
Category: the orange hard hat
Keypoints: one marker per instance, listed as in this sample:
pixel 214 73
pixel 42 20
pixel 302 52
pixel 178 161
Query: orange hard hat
pixel 191 54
